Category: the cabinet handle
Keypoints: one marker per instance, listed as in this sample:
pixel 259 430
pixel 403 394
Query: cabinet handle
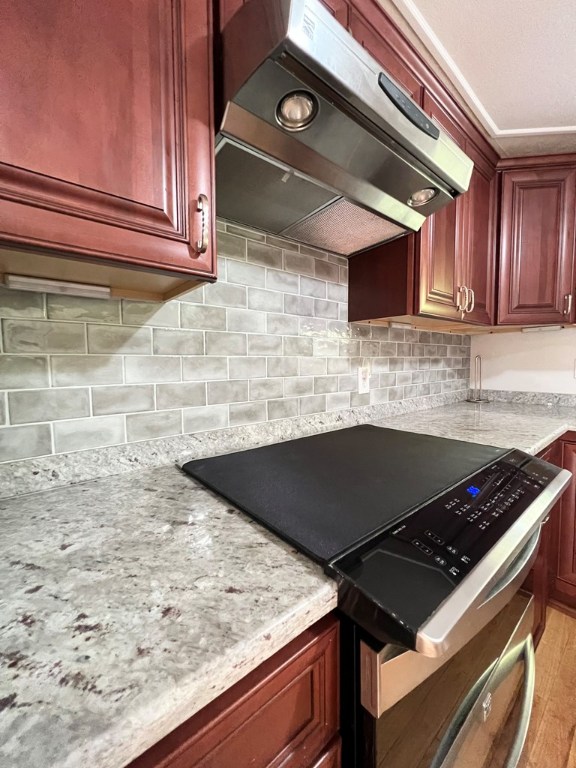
pixel 463 294
pixel 472 302
pixel 202 208
pixel 567 305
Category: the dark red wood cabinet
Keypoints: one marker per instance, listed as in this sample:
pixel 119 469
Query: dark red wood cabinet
pixel 563 547
pixel 284 714
pixel 106 139
pixel 538 212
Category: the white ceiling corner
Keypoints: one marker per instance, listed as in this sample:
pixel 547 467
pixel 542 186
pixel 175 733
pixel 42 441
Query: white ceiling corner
pixel 513 63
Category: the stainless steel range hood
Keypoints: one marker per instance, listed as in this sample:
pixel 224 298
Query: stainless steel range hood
pixel 317 143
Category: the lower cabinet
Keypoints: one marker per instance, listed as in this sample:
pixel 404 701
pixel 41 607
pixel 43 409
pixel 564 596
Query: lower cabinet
pixel 563 550
pixel 284 713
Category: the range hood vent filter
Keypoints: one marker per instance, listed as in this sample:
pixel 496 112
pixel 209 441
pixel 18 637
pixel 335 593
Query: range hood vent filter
pixel 343 228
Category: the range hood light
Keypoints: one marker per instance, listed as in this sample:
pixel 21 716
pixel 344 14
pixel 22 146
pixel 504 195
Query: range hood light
pixel 47 285
pixel 422 197
pixel 297 110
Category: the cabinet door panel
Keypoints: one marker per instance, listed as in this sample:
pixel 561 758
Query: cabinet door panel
pixel 106 129
pixel 537 245
pixel 563 587
pixel 479 269
pixel 442 240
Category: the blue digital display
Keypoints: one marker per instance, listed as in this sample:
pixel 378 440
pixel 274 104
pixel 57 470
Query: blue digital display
pixel 473 490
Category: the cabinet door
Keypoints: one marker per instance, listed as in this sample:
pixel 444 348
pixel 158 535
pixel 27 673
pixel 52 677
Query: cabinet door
pixel 381 47
pixel 563 586
pixel 338 8
pixel 106 144
pixel 537 243
pixel 441 240
pixel 480 233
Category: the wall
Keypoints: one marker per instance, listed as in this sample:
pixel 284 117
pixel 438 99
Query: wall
pixel 529 362
pixel 268 341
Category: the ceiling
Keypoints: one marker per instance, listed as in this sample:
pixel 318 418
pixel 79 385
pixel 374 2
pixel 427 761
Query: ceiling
pixel 512 61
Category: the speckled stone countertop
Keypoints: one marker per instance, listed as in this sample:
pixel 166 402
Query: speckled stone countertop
pixel 506 425
pixel 127 605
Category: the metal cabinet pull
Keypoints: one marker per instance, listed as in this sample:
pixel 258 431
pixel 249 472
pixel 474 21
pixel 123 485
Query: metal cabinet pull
pixel 463 294
pixel 472 302
pixel 202 208
pixel 567 304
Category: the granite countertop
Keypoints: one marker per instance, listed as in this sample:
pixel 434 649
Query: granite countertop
pixel 525 426
pixel 127 605
pixel 131 602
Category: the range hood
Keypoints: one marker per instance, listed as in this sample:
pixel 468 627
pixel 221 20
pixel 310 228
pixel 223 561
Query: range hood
pixel 317 143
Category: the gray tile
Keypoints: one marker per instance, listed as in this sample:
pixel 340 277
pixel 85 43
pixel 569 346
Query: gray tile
pixel 264 254
pixel 282 409
pixel 396 334
pixel 246 274
pixel 231 246
pixel 327 309
pixel 325 384
pixel 23 372
pixel 3 416
pixel 43 336
pixel 298 345
pixel 21 304
pixel 251 234
pixel 348 383
pixel 147 426
pixel 266 389
pixel 313 252
pixel 298 263
pixel 123 399
pixel 312 366
pixel 312 404
pixel 380 364
pixel 281 242
pixel 247 367
pixel 338 365
pixel 326 271
pixel 81 434
pixel 78 370
pixel 247 413
pixel 286 325
pixel 150 369
pixel 194 295
pixel 403 377
pixel 343 275
pixel 177 342
pixel 358 401
pixel 48 405
pixel 334 259
pixel 246 320
pixel 349 348
pixel 227 392
pixel 298 305
pixel 338 328
pixel 312 326
pixel 379 332
pixel 370 349
pixel 223 294
pixel 309 286
pixel 261 344
pixel 378 396
pixel 388 349
pixel 147 313
pixel 282 281
pixel 203 318
pixel 225 343
pixel 206 418
pixel 80 308
pixel 297 386
pixel 282 366
pixel 388 379
pixel 404 349
pixel 204 368
pixel 360 331
pixel 326 347
pixel 25 442
pixel 118 339
pixel 268 301
pixel 337 401
pixel 395 394
pixel 183 395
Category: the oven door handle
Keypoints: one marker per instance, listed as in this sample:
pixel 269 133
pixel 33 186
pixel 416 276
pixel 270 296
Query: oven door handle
pixel 501 667
pixel 526 706
pixel 521 564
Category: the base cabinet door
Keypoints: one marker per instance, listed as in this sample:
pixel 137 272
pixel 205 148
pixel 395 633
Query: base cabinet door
pixel 284 714
pixel 538 209
pixel 106 133
pixel 563 555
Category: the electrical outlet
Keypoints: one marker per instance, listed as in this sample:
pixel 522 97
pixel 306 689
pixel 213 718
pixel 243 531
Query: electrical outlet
pixel 363 379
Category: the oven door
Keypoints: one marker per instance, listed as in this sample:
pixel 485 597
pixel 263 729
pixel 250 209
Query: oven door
pixel 471 712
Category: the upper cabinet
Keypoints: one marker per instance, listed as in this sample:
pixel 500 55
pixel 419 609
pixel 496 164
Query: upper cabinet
pixel 537 244
pixel 106 142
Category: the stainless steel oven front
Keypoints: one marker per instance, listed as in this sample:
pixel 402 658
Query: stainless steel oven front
pixel 470 711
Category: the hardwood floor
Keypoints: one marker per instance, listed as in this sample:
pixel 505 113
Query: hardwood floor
pixel 552 737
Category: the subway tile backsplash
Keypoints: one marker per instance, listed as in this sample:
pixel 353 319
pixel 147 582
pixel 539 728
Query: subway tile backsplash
pixel 268 341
